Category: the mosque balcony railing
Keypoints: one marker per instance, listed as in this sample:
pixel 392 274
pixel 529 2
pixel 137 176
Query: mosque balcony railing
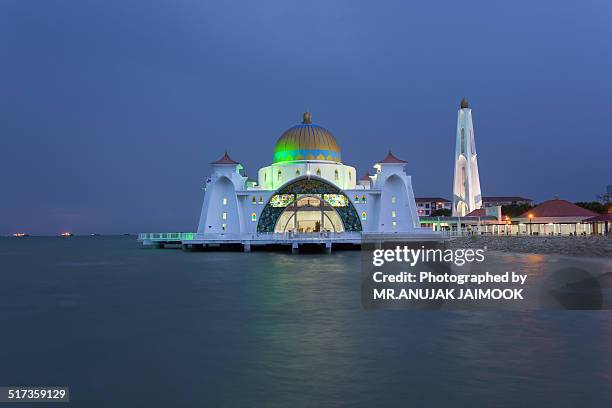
pixel 306 236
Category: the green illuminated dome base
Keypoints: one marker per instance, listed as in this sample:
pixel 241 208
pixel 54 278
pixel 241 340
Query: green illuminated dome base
pixel 307 141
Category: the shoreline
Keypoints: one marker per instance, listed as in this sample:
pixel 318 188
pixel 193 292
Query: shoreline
pixel 582 246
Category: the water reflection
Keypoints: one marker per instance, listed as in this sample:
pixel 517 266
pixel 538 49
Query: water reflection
pixel 168 328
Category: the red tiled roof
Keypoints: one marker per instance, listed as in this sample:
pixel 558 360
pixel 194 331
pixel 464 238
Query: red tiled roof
pixel 392 159
pixel 557 208
pixel 365 177
pixel 225 160
pixel 431 200
pixel 600 218
pixel 479 212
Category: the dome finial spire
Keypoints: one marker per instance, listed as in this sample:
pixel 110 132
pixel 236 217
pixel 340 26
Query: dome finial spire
pixel 307 118
pixel 464 103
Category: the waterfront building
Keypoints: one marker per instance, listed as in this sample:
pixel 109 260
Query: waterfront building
pixel 555 217
pixel 427 205
pixel 307 192
pixel 466 186
pixel 308 189
pixel 600 224
pixel 552 217
pixel 505 200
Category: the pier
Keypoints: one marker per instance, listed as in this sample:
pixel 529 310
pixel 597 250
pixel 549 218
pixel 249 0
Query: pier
pixel 296 242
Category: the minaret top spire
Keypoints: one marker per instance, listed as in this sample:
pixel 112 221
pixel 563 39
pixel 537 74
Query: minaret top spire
pixel 307 118
pixel 464 103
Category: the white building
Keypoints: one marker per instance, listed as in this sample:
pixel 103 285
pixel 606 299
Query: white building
pixel 466 186
pixel 308 189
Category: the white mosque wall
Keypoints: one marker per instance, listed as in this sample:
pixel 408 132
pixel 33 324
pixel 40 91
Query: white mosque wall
pixel 397 210
pixel 220 210
pixel 389 205
pixel 274 176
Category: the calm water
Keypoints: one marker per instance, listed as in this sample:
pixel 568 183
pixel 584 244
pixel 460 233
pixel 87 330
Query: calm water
pixel 125 326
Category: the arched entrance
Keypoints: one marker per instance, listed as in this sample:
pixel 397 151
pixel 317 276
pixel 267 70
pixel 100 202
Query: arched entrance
pixel 309 204
pixel 309 214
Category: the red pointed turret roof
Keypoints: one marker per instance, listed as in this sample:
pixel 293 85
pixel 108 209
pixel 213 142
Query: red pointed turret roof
pixel 558 208
pixel 225 160
pixel 391 159
pixel 365 177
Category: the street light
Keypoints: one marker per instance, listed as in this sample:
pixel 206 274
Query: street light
pixel 530 220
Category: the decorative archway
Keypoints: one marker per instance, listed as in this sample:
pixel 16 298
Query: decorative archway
pixel 327 195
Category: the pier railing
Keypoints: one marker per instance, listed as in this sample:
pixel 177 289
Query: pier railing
pixel 271 236
pixel 166 236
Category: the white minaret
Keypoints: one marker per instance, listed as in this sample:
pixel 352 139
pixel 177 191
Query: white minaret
pixel 466 186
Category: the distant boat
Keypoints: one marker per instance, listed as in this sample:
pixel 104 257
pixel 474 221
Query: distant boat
pixel 21 234
pixel 66 234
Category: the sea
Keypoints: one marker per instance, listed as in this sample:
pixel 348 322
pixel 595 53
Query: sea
pixel 126 326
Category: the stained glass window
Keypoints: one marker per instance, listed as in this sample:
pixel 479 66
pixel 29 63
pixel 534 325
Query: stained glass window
pixel 254 217
pixel 336 200
pixel 363 199
pixel 281 200
pixel 357 199
pixel 364 215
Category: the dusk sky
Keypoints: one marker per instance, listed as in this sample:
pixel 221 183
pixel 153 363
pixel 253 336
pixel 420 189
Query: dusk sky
pixel 111 111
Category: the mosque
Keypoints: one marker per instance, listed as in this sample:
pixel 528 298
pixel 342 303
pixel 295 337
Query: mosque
pixel 307 193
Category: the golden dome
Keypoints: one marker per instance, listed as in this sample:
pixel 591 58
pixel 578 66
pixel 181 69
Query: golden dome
pixel 306 141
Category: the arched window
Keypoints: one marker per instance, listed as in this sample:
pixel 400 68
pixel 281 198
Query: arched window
pixel 254 200
pixel 225 201
pixel 224 215
pixel 254 217
pixel 350 176
pixel 265 177
pixel 357 199
pixel 462 141
pixel 297 172
pixel 363 199
pixel 394 224
pixel 364 216
pixel 393 214
pixel 336 176
pixel 260 200
pixel 319 172
pixel 280 176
